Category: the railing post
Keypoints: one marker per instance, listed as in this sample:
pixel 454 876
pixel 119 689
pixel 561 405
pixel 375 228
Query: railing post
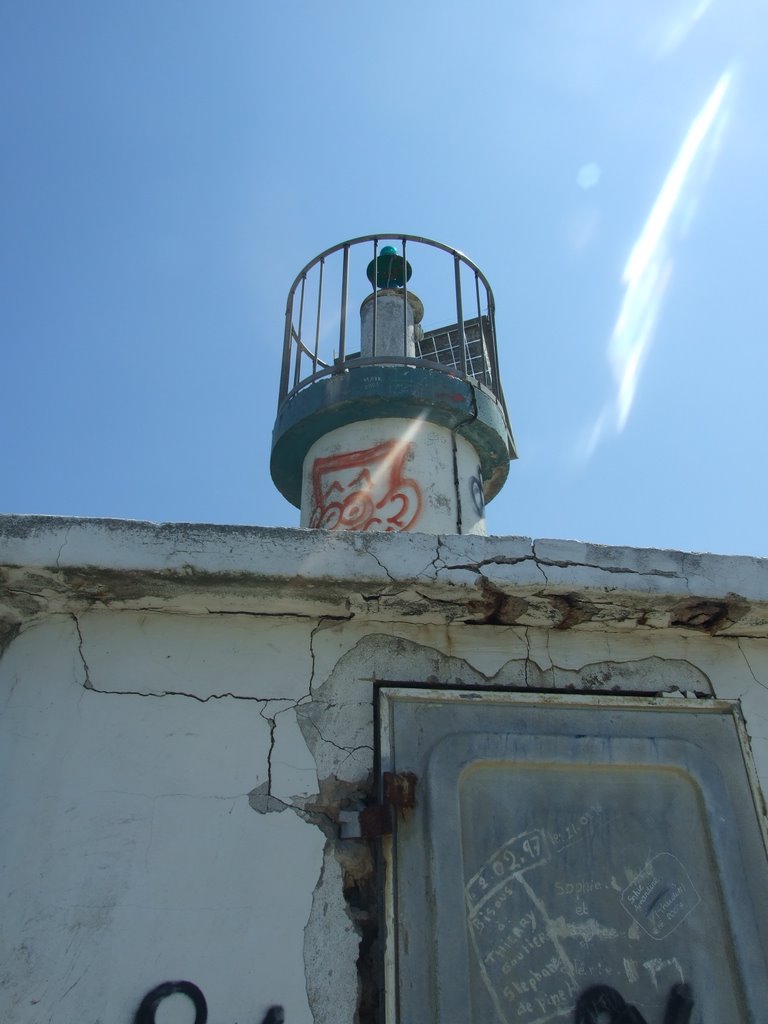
pixel 405 303
pixel 344 293
pixel 317 324
pixel 286 367
pixel 299 343
pixel 460 314
pixel 375 293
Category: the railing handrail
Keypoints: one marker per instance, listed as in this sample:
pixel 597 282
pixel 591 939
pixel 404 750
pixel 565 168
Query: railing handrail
pixel 392 237
pixel 467 358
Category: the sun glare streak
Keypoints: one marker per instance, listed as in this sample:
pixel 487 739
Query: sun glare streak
pixel 414 426
pixel 669 196
pixel 649 266
pixel 681 27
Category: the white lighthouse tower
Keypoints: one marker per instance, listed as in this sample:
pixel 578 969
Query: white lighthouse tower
pixel 384 425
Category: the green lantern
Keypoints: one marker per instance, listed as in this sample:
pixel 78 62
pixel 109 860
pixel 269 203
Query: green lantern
pixel 389 269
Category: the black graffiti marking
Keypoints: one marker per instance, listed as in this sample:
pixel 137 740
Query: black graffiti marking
pixel 602 1004
pixel 476 490
pixel 146 1011
pixel 149 1004
pixel 275 1015
pixel 679 1005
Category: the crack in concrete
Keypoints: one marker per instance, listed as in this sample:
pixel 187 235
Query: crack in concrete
pixel 255 615
pixel 685 574
pixel 456 489
pixel 480 565
pixel 369 598
pixel 272 730
pixel 749 666
pixel 415 575
pixel 538 563
pixel 62 546
pixel 438 557
pixel 615 569
pixel 322 623
pixel 551 669
pixel 431 599
pixel 312 657
pixel 25 593
pixel 88 685
pixel 271 720
pixel 381 565
pixel 344 750
pixel 181 693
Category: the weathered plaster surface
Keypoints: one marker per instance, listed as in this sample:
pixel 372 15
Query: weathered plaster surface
pixel 331 948
pixel 188 709
pixel 50 564
pixel 264 658
pixel 131 853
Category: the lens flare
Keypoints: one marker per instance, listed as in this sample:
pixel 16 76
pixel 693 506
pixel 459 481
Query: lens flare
pixel 680 27
pixel 649 266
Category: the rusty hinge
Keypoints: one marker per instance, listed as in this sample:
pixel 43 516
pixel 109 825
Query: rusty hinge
pixel 399 792
pixel 375 821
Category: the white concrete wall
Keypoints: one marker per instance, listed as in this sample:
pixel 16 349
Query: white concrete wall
pixel 178 737
pixel 131 854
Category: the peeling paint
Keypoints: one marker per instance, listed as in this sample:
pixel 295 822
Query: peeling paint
pixel 262 801
pixel 331 977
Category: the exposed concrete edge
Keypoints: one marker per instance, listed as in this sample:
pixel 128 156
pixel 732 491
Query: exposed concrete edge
pixel 408 575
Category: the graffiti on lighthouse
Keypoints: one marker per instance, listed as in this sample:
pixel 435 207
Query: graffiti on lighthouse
pixel 365 490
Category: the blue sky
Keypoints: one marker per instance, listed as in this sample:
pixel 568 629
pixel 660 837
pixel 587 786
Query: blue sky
pixel 169 167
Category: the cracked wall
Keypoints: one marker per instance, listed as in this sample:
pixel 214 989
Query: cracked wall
pixel 176 780
pixel 136 856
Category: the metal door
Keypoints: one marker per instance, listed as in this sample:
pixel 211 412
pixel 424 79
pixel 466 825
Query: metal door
pixel 573 859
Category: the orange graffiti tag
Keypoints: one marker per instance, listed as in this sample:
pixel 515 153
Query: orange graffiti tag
pixel 364 490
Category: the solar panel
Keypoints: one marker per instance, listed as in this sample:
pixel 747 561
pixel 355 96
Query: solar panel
pixel 443 345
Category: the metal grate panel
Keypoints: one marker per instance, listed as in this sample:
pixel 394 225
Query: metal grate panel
pixel 443 345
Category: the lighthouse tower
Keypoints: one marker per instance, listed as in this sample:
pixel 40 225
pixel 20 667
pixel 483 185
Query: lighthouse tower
pixel 385 423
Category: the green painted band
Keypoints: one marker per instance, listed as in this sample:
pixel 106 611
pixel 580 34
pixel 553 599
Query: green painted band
pixel 376 392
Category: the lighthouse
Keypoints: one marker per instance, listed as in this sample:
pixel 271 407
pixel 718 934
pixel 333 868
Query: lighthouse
pixel 391 415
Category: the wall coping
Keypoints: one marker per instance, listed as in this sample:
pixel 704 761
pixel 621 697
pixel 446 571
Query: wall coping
pixel 51 564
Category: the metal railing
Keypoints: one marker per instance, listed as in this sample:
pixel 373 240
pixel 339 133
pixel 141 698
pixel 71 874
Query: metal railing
pixel 322 329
